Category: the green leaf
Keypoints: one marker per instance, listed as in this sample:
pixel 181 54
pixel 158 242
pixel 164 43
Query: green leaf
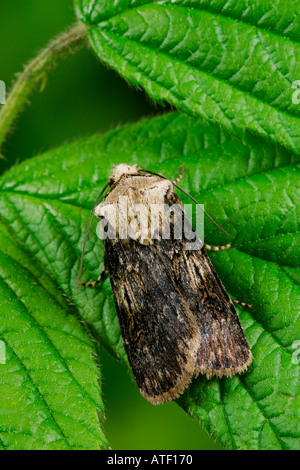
pixel 250 188
pixel 49 381
pixel 230 63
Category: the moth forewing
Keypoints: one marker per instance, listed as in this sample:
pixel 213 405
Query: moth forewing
pixel 175 316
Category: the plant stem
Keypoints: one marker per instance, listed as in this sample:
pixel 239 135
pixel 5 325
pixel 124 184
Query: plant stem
pixel 35 71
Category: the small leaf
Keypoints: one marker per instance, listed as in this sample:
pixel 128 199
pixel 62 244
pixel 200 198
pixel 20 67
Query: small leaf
pixel 232 64
pixel 250 188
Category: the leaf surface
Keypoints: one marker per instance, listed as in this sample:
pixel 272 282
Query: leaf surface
pixel 233 63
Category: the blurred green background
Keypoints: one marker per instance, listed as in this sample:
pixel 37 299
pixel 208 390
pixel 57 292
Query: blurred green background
pixel 82 98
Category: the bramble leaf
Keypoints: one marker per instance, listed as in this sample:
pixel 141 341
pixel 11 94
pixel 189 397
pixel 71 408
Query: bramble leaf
pixel 50 394
pixel 234 64
pixel 251 188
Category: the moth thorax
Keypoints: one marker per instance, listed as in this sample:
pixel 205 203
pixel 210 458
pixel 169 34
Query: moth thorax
pixel 122 169
pixel 140 222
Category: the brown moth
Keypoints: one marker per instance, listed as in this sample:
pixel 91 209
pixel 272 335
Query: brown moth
pixel 175 315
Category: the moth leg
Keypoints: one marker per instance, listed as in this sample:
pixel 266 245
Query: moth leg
pixel 217 248
pixel 100 279
pixel 220 248
pixel 237 302
pixel 179 176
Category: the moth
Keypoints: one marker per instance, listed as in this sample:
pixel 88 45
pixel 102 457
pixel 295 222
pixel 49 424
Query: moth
pixel 176 318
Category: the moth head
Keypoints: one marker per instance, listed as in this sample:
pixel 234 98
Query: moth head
pixel 122 169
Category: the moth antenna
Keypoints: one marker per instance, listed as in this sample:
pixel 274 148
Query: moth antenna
pixel 191 197
pixel 207 215
pixel 86 235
